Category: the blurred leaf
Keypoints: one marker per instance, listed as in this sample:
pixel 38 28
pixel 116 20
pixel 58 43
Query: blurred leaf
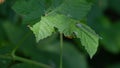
pixel 15 33
pixel 48 53
pixel 2 33
pixel 111 37
pixel 105 29
pixel 115 5
pixel 4 63
pixel 71 57
pixel 6 48
pixel 102 4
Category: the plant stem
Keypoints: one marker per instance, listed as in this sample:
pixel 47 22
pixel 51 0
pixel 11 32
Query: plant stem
pixel 25 60
pixel 31 62
pixel 61 50
pixel 14 57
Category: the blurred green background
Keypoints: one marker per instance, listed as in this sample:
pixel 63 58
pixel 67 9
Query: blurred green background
pixel 104 18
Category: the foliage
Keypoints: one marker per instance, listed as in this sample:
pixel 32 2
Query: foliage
pixel 61 16
pixel 46 19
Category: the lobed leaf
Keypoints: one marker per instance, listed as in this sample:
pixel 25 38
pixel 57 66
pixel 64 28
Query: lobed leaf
pixel 68 26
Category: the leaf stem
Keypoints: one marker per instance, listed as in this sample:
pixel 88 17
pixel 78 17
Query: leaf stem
pixel 61 50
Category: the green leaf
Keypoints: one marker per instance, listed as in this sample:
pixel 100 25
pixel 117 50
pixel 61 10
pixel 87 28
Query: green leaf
pixel 30 10
pixel 42 29
pixel 15 33
pixel 69 27
pixel 76 9
pixel 88 38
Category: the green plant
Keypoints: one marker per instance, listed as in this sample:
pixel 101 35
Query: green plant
pixel 64 16
pixel 60 43
pixel 47 20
